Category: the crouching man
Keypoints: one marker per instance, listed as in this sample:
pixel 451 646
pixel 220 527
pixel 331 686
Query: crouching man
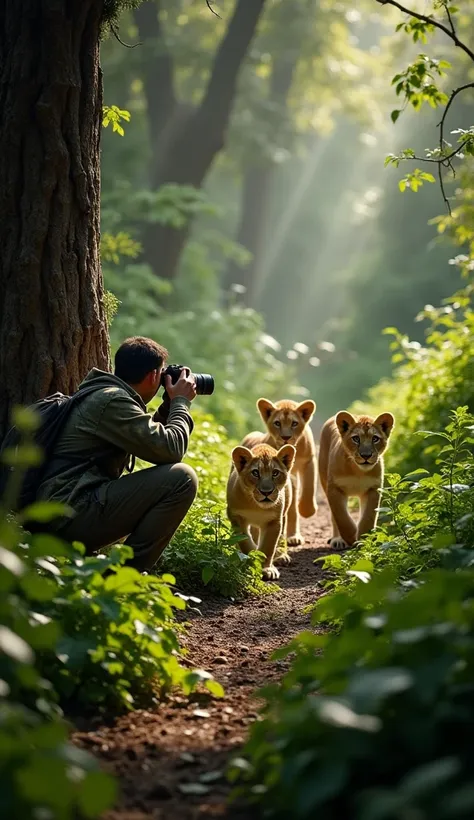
pixel 108 427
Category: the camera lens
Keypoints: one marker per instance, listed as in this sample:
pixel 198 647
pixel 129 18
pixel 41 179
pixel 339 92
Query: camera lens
pixel 204 384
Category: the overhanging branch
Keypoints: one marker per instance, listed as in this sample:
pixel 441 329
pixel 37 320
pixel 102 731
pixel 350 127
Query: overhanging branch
pixel 443 160
pixel 450 32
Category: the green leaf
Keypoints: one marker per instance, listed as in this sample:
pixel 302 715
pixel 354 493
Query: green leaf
pixel 38 588
pixel 45 511
pixel 415 475
pixel 395 115
pixel 167 578
pixel 96 794
pixel 74 652
pixel 215 688
pixel 207 574
pixel 14 646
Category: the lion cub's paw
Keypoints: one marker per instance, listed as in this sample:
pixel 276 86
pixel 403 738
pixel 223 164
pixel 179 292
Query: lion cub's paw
pixel 337 543
pixel 282 558
pixel 295 540
pixel 270 573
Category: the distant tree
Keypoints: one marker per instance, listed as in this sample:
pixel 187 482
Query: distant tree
pixel 185 137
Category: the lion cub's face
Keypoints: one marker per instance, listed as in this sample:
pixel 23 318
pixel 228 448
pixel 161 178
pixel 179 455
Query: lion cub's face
pixel 364 438
pixel 286 420
pixel 263 471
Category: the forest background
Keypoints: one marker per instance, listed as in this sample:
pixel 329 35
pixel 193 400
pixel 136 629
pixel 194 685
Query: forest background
pixel 286 247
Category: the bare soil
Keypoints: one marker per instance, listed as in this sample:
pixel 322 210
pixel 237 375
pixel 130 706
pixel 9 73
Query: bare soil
pixel 171 762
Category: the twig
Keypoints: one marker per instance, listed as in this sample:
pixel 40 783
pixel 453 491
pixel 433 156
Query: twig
pixel 454 94
pixel 448 106
pixel 117 37
pixel 430 21
pixel 439 160
pixel 443 192
pixel 442 162
pixel 450 19
pixel 208 4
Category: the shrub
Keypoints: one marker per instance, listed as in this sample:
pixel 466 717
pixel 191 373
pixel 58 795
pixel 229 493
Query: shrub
pixel 379 725
pixel 428 382
pixel 41 774
pixel 119 642
pixel 422 514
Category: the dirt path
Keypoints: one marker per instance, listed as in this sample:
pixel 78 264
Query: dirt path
pixel 170 763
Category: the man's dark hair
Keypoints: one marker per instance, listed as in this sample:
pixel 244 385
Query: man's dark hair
pixel 137 357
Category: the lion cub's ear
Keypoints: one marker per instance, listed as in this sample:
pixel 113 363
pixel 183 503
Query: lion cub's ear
pixel 241 457
pixel 287 454
pixel 385 421
pixel 266 408
pixel 344 421
pixel 306 409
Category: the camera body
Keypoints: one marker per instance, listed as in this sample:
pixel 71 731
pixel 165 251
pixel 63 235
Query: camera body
pixel 204 381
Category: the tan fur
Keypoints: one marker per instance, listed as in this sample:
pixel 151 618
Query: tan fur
pixel 258 497
pixel 287 422
pixel 348 468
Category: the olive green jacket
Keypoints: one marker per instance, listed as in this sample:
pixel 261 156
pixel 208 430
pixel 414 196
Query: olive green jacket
pixel 103 431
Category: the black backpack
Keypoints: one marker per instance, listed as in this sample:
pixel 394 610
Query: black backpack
pixel 54 411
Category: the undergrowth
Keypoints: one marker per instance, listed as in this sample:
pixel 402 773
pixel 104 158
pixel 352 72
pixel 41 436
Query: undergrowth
pixel 429 380
pixel 84 633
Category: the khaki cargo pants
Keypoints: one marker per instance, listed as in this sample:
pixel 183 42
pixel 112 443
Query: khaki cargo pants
pixel 144 509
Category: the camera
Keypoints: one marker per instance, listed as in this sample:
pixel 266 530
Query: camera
pixel 204 382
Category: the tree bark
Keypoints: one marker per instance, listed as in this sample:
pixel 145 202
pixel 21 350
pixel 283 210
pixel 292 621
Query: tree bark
pixel 186 149
pixel 157 68
pixel 255 197
pixel 52 317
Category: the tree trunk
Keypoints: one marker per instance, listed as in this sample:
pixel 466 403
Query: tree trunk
pixel 256 187
pixel 52 321
pixel 185 151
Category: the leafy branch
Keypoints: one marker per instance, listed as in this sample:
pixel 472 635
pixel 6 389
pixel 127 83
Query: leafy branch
pixel 113 114
pixel 431 22
pixel 417 85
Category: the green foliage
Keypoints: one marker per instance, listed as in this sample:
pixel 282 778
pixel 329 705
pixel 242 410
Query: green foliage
pixel 374 722
pixel 113 247
pixel 41 774
pixel 418 84
pixel 423 513
pixel 227 341
pixel 204 553
pixel 428 381
pixel 119 643
pixel 112 114
pixel 415 180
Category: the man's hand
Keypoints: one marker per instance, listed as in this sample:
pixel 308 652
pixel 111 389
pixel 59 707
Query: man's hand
pixel 185 386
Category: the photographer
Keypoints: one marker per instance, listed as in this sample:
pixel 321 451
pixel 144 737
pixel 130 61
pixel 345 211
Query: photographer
pixel 105 429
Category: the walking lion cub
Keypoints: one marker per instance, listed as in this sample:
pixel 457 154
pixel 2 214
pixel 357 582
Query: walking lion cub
pixel 287 422
pixel 351 464
pixel 258 497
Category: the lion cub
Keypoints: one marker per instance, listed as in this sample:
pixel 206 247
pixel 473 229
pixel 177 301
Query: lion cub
pixel 351 464
pixel 287 422
pixel 258 497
